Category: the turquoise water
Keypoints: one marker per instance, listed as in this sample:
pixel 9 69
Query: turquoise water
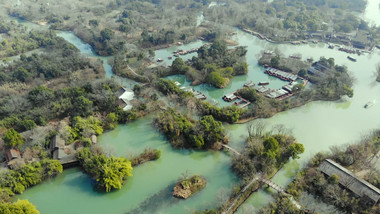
pixel 149 189
pixel 318 125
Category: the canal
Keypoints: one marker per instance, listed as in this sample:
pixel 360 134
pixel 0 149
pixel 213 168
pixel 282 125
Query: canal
pixel 317 125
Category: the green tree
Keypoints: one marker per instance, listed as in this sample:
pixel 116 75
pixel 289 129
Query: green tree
pixel 82 106
pixel 25 125
pixel 106 34
pixel 86 126
pixel 18 207
pixel 296 149
pixel 331 62
pixel 13 139
pixel 275 61
pixel 216 79
pixel 124 14
pixel 109 172
pixel 40 95
pixel 241 68
pixel 179 66
pixel 111 120
pixel 213 130
pixel 114 172
pixel 218 48
pixel 51 168
pixel 248 93
pixel 93 22
pixel 271 144
pixel 21 74
pixel 302 73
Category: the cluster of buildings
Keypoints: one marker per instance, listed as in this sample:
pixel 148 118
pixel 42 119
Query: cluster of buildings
pixel 318 69
pixel 281 74
pixel 183 52
pixel 282 93
pixel 362 40
pixel 238 101
pixel 197 94
pixel 349 180
pixel 66 154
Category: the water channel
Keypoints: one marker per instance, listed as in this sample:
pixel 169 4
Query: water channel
pixel 318 125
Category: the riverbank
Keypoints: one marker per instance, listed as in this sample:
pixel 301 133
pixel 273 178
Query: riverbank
pixel 309 124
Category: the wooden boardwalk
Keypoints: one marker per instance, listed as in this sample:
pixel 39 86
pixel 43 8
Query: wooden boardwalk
pixel 231 149
pixel 273 185
pixel 281 190
pixel 270 183
pixel 228 210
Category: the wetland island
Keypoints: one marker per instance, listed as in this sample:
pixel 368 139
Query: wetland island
pixel 189 106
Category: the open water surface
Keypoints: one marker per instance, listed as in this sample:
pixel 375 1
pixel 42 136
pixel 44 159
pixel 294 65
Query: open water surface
pixel 317 125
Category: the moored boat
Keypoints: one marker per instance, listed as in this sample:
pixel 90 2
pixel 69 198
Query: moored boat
pixel 351 58
pixel 369 104
pixel 249 84
pixel 263 83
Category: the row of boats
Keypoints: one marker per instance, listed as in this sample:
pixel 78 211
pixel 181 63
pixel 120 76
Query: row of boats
pixel 183 52
pixel 179 52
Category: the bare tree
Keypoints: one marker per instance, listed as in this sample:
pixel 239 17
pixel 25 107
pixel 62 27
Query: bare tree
pixel 256 128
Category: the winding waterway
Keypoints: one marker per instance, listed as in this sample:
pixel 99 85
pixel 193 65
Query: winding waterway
pixel 318 125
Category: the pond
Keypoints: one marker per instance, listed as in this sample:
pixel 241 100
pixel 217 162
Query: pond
pixel 317 125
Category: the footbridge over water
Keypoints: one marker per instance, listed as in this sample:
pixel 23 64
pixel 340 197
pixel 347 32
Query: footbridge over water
pixel 281 190
pixel 235 204
pixel 231 149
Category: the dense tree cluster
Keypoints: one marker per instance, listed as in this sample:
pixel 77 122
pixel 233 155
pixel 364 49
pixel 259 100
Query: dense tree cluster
pixel 107 26
pixel 13 139
pixel 285 20
pixel 16 40
pixel 217 58
pixel 169 87
pixel 265 153
pixel 19 207
pixel 60 59
pixel 43 104
pixel 229 114
pixel 16 181
pixel 248 94
pixel 109 172
pixel 334 84
pixel 183 132
pixel 214 64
